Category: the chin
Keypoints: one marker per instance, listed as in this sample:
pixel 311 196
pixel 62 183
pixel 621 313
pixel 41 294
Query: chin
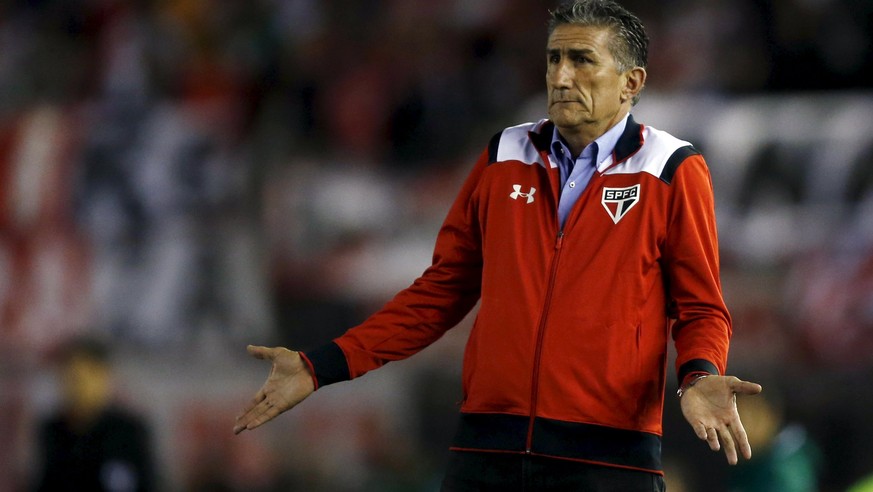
pixel 566 117
pixel 564 122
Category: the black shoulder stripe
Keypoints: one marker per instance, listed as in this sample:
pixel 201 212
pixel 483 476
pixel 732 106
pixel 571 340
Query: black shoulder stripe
pixel 673 162
pixel 492 147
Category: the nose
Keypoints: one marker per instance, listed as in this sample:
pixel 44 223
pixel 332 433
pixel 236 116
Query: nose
pixel 561 75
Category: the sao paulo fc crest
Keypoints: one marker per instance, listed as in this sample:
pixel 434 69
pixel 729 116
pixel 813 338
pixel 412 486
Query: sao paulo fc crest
pixel 618 201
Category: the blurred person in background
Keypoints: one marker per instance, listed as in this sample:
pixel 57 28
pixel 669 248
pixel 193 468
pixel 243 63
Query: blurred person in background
pixel 91 443
pixel 583 235
pixel 786 459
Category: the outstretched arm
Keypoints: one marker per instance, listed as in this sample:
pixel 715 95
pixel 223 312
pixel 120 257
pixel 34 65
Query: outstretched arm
pixel 289 383
pixel 710 406
pixel 416 317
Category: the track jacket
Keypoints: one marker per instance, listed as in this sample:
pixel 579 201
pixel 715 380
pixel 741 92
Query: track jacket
pixel 567 356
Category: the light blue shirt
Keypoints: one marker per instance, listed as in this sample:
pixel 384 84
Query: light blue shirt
pixel 575 175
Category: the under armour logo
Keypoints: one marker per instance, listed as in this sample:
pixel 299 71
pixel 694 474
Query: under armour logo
pixel 517 193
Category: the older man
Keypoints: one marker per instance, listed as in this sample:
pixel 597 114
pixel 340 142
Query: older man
pixel 589 238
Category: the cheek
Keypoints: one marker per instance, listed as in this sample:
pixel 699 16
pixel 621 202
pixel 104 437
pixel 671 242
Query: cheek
pixel 607 93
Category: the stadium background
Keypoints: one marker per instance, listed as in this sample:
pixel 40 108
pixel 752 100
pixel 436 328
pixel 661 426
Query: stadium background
pixel 187 177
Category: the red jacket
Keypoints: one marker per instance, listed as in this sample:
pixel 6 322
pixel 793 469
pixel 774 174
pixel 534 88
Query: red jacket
pixel 567 357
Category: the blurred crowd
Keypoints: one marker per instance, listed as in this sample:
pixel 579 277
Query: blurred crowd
pixel 184 177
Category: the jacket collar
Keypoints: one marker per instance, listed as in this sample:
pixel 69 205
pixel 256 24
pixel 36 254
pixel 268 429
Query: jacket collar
pixel 628 143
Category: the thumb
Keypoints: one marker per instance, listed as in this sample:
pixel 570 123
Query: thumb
pixel 258 352
pixel 745 387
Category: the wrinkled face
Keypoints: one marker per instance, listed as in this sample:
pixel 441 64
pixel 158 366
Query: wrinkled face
pixel 584 85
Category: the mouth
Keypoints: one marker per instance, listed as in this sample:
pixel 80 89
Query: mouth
pixel 564 96
pixel 565 101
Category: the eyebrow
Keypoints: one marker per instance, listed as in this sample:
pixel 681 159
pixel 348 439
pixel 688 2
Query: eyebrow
pixel 571 51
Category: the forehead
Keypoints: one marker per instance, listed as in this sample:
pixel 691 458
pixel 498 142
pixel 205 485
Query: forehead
pixel 567 36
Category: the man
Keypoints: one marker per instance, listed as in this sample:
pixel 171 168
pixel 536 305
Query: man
pixel 583 235
pixel 91 444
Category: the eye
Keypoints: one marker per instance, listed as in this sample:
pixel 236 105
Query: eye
pixel 581 59
pixel 554 58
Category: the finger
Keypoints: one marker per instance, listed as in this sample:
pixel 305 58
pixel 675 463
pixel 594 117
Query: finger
pixel 238 427
pixel 700 431
pixel 259 397
pixel 266 416
pixel 258 352
pixel 245 421
pixel 261 414
pixel 741 438
pixel 730 449
pixel 745 387
pixel 712 439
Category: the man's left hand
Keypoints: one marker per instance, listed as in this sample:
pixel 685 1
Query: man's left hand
pixel 710 406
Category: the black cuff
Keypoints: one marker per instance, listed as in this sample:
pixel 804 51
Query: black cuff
pixel 329 363
pixel 696 365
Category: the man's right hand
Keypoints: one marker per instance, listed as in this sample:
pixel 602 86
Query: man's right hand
pixel 289 383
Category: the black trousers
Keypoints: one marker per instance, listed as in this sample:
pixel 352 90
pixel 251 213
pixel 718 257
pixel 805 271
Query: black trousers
pixel 506 472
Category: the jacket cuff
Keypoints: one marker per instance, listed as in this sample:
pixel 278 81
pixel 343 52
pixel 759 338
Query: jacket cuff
pixel 310 368
pixel 328 364
pixel 695 367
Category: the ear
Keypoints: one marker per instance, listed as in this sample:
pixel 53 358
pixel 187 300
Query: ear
pixel 634 83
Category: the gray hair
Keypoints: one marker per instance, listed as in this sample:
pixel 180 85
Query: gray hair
pixel 629 45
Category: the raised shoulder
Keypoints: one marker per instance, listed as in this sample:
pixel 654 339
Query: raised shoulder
pixel 515 144
pixel 660 155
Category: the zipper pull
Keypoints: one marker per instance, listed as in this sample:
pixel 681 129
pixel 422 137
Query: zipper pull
pixel 560 240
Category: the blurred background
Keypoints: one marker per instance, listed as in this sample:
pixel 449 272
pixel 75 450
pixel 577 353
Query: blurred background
pixel 183 177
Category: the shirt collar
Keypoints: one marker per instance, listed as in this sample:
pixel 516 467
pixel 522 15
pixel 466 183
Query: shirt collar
pixel 604 144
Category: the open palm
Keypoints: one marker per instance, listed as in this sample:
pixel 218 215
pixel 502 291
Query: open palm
pixel 710 406
pixel 289 383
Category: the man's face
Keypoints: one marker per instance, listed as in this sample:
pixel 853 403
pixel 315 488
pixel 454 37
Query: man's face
pixel 584 85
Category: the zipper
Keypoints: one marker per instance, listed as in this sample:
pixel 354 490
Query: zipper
pixel 541 329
